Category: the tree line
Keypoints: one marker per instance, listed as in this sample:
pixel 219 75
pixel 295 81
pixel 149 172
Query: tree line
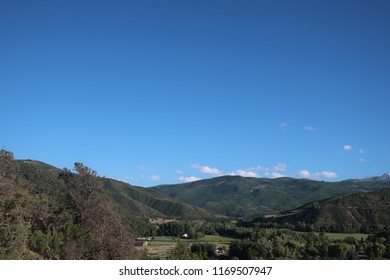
pixel 287 244
pixel 324 227
pixel 278 244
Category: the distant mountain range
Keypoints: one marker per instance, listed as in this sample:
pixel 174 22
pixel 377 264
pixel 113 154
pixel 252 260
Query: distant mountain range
pixel 135 202
pixel 42 203
pixel 229 196
pixel 237 196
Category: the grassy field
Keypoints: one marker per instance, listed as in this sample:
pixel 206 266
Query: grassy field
pixel 162 244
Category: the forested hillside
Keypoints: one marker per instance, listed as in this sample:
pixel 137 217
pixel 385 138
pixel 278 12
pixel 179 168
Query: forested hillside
pixel 237 196
pixel 359 212
pixel 49 213
pixel 58 215
pixel 146 202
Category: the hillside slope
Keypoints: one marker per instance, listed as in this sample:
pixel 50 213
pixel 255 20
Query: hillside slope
pixel 46 213
pixel 237 196
pixel 145 202
pixel 49 213
pixel 363 211
pixel 135 201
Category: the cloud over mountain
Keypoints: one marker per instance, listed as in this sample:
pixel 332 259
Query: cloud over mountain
pixel 188 179
pixel 208 170
pixel 324 174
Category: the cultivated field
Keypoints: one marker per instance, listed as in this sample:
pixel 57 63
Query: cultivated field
pixel 159 247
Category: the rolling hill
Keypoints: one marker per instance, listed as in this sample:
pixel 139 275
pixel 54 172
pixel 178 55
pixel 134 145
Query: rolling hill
pixel 232 196
pixel 237 196
pixel 362 211
pixel 49 213
pixel 134 201
pixel 146 202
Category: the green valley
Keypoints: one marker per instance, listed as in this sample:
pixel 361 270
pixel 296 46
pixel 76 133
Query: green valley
pixel 52 213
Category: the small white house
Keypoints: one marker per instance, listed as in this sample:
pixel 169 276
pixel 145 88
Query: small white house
pixel 185 235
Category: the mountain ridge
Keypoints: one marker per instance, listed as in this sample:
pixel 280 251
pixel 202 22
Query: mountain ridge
pixel 232 196
pixel 238 196
pixel 139 201
pixel 357 212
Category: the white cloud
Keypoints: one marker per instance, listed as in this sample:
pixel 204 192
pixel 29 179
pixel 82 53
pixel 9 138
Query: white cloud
pixel 244 173
pixel 283 126
pixel 362 160
pixel 154 178
pixel 179 172
pixel 188 179
pixel 208 170
pixel 309 128
pixel 280 167
pixel 274 175
pixel 277 175
pixel 347 148
pixel 362 151
pixel 324 174
pixel 304 174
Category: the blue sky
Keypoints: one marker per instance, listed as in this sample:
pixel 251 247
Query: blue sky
pixel 157 92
